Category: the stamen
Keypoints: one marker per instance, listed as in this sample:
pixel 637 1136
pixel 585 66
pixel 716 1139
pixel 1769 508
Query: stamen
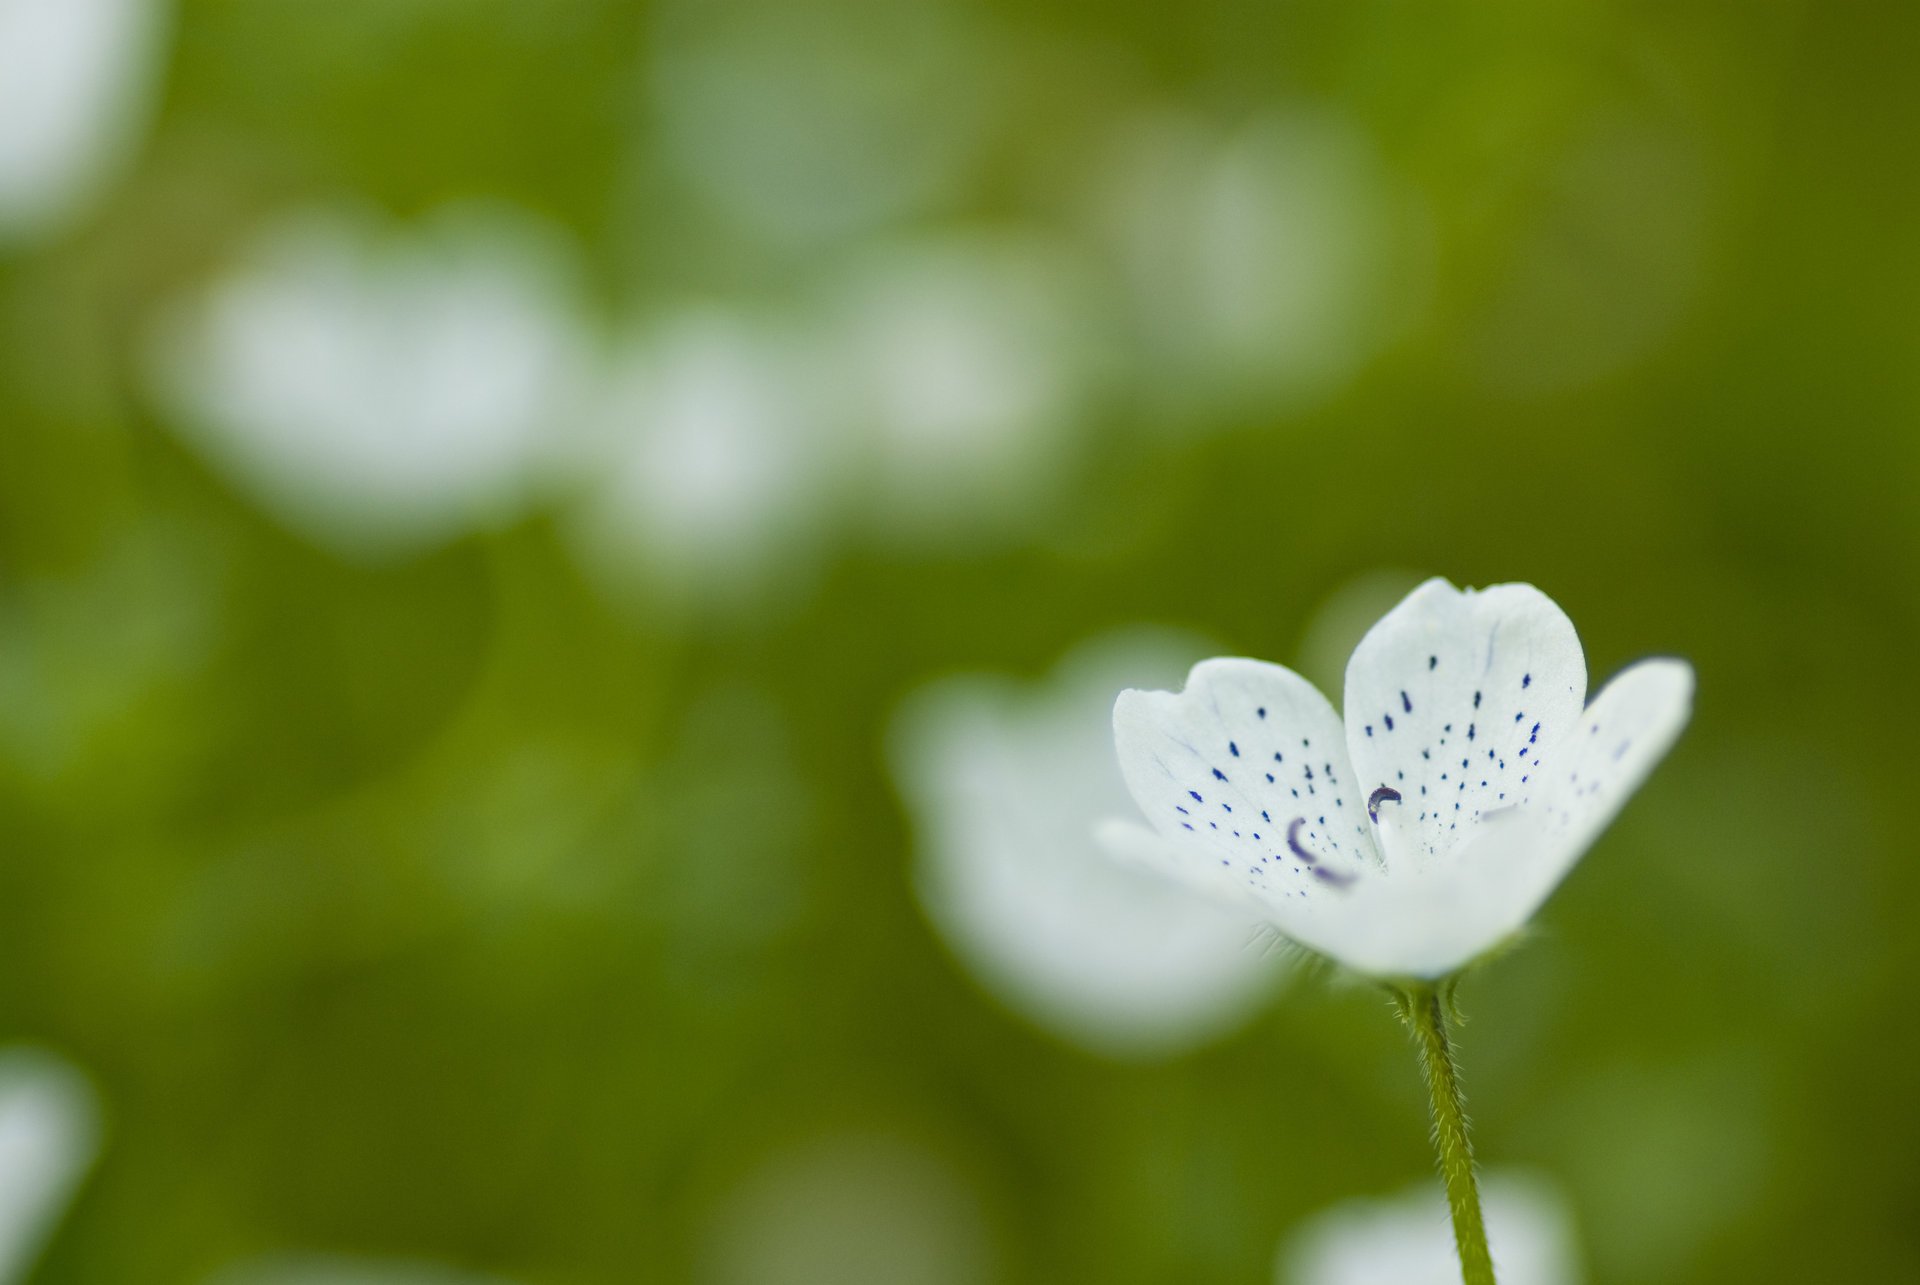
pixel 1385 794
pixel 1312 862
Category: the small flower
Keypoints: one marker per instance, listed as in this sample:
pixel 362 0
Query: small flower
pixel 49 1136
pixel 78 82
pixel 1403 1240
pixel 1002 784
pixel 1426 830
pixel 713 470
pixel 382 389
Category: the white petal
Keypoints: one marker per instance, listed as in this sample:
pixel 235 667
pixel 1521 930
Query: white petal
pixel 1433 921
pixel 49 1134
pixel 382 390
pixel 1246 771
pixel 1519 856
pixel 76 88
pixel 1406 1239
pixel 1146 849
pixel 1373 925
pixel 1627 730
pixel 1450 701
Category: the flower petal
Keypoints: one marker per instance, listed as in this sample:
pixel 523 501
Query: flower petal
pixel 1518 856
pixel 1451 700
pixel 1359 922
pixel 1245 771
pixel 1627 730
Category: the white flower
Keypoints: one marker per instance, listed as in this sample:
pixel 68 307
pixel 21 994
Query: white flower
pixel 76 82
pixel 1464 784
pixel 1263 265
pixel 967 366
pixel 382 390
pixel 800 121
pixel 1405 1240
pixel 1003 783
pixel 713 468
pixel 49 1135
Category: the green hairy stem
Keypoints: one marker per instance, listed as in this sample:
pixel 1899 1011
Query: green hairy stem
pixel 1424 1009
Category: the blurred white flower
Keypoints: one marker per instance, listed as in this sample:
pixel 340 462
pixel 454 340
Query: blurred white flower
pixel 77 81
pixel 382 390
pixel 1464 784
pixel 49 1136
pixel 1407 1240
pixel 325 1270
pixel 852 1209
pixel 713 464
pixel 806 119
pixel 967 365
pixel 1004 784
pixel 1263 265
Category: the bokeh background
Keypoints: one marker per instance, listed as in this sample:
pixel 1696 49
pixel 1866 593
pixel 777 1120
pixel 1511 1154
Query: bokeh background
pixel 523 527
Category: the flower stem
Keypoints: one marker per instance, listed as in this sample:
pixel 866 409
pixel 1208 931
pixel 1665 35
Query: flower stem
pixel 1424 1009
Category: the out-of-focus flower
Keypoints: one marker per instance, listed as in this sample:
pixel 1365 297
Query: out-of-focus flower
pixel 382 390
pixel 852 1209
pixel 49 1135
pixel 967 363
pixel 713 466
pixel 1405 1239
pixel 1265 265
pixel 1464 784
pixel 807 119
pixel 77 80
pixel 1005 785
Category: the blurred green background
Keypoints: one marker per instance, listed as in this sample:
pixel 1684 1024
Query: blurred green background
pixel 478 480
